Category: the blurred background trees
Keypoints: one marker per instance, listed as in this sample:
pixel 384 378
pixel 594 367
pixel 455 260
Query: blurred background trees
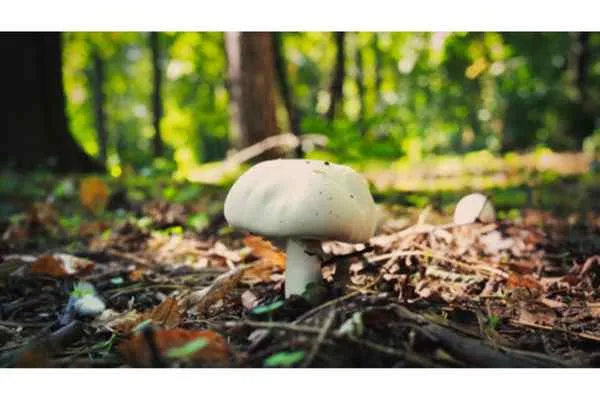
pixel 177 100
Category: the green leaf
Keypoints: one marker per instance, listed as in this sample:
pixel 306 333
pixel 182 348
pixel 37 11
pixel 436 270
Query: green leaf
pixel 493 321
pixel 198 221
pixel 284 359
pixel 267 308
pixel 117 280
pixel 187 349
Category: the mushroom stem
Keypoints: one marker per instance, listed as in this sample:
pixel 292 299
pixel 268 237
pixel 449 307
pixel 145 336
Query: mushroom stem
pixel 301 268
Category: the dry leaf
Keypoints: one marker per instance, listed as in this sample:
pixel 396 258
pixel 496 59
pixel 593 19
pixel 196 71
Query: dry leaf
pixel 249 300
pixel 221 286
pixel 263 249
pixel 93 228
pixel 167 315
pixel 522 281
pixel 93 193
pixel 61 265
pixel 261 271
pixel 136 351
pixel 541 316
pixel 594 310
pixel 43 214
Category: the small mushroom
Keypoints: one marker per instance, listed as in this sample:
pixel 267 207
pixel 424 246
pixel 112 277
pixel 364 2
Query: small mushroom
pixel 474 207
pixel 303 202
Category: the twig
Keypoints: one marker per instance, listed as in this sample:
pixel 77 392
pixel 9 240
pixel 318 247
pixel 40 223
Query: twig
pixel 337 300
pixel 583 335
pixel 26 324
pixel 276 325
pixel 341 257
pixel 319 341
pixel 130 257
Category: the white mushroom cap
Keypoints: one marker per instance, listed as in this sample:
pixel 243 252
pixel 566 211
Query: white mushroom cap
pixel 473 207
pixel 302 199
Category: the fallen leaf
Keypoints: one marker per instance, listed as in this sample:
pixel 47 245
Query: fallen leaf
pixel 540 316
pixel 284 359
pixel 262 270
pixel 43 214
pixel 264 249
pixel 61 265
pixel 93 194
pixel 522 281
pixel 200 348
pixel 221 286
pixel 93 228
pixel 554 304
pixel 594 310
pixel 166 314
pixel 249 300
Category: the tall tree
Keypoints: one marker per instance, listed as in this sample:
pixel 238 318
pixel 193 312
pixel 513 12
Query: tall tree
pixel 284 83
pixel 285 88
pixel 583 118
pixel 157 109
pixel 100 116
pixel 360 83
pixel 33 122
pixel 378 66
pixel 251 83
pixel 336 88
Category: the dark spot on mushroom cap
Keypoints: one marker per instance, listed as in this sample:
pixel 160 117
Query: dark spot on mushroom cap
pixel 351 196
pixel 326 162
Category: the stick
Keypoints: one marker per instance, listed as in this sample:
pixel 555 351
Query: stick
pixel 324 330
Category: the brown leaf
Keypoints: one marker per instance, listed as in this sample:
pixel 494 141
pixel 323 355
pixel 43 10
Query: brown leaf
pixel 167 315
pixel 594 310
pixel 261 271
pixel 539 316
pixel 43 214
pixel 136 351
pixel 61 265
pixel 263 249
pixel 522 281
pixel 93 228
pixel 93 194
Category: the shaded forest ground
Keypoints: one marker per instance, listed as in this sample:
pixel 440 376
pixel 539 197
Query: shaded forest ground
pixel 183 289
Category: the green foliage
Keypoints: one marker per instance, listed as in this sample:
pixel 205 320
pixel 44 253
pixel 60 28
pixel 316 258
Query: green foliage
pixel 187 349
pixel 267 308
pixel 412 95
pixel 284 359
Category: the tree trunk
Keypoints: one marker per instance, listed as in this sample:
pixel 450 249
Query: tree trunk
pixel 33 123
pixel 582 122
pixel 157 109
pixel 251 83
pixel 359 79
pixel 100 117
pixel 285 89
pixel 378 67
pixel 337 82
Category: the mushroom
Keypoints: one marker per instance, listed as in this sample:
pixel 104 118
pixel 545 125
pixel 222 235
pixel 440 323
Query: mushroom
pixel 303 202
pixel 474 207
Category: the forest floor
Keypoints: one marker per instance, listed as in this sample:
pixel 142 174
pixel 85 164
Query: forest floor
pixel 181 288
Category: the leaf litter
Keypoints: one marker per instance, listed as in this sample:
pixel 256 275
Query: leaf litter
pixel 493 294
